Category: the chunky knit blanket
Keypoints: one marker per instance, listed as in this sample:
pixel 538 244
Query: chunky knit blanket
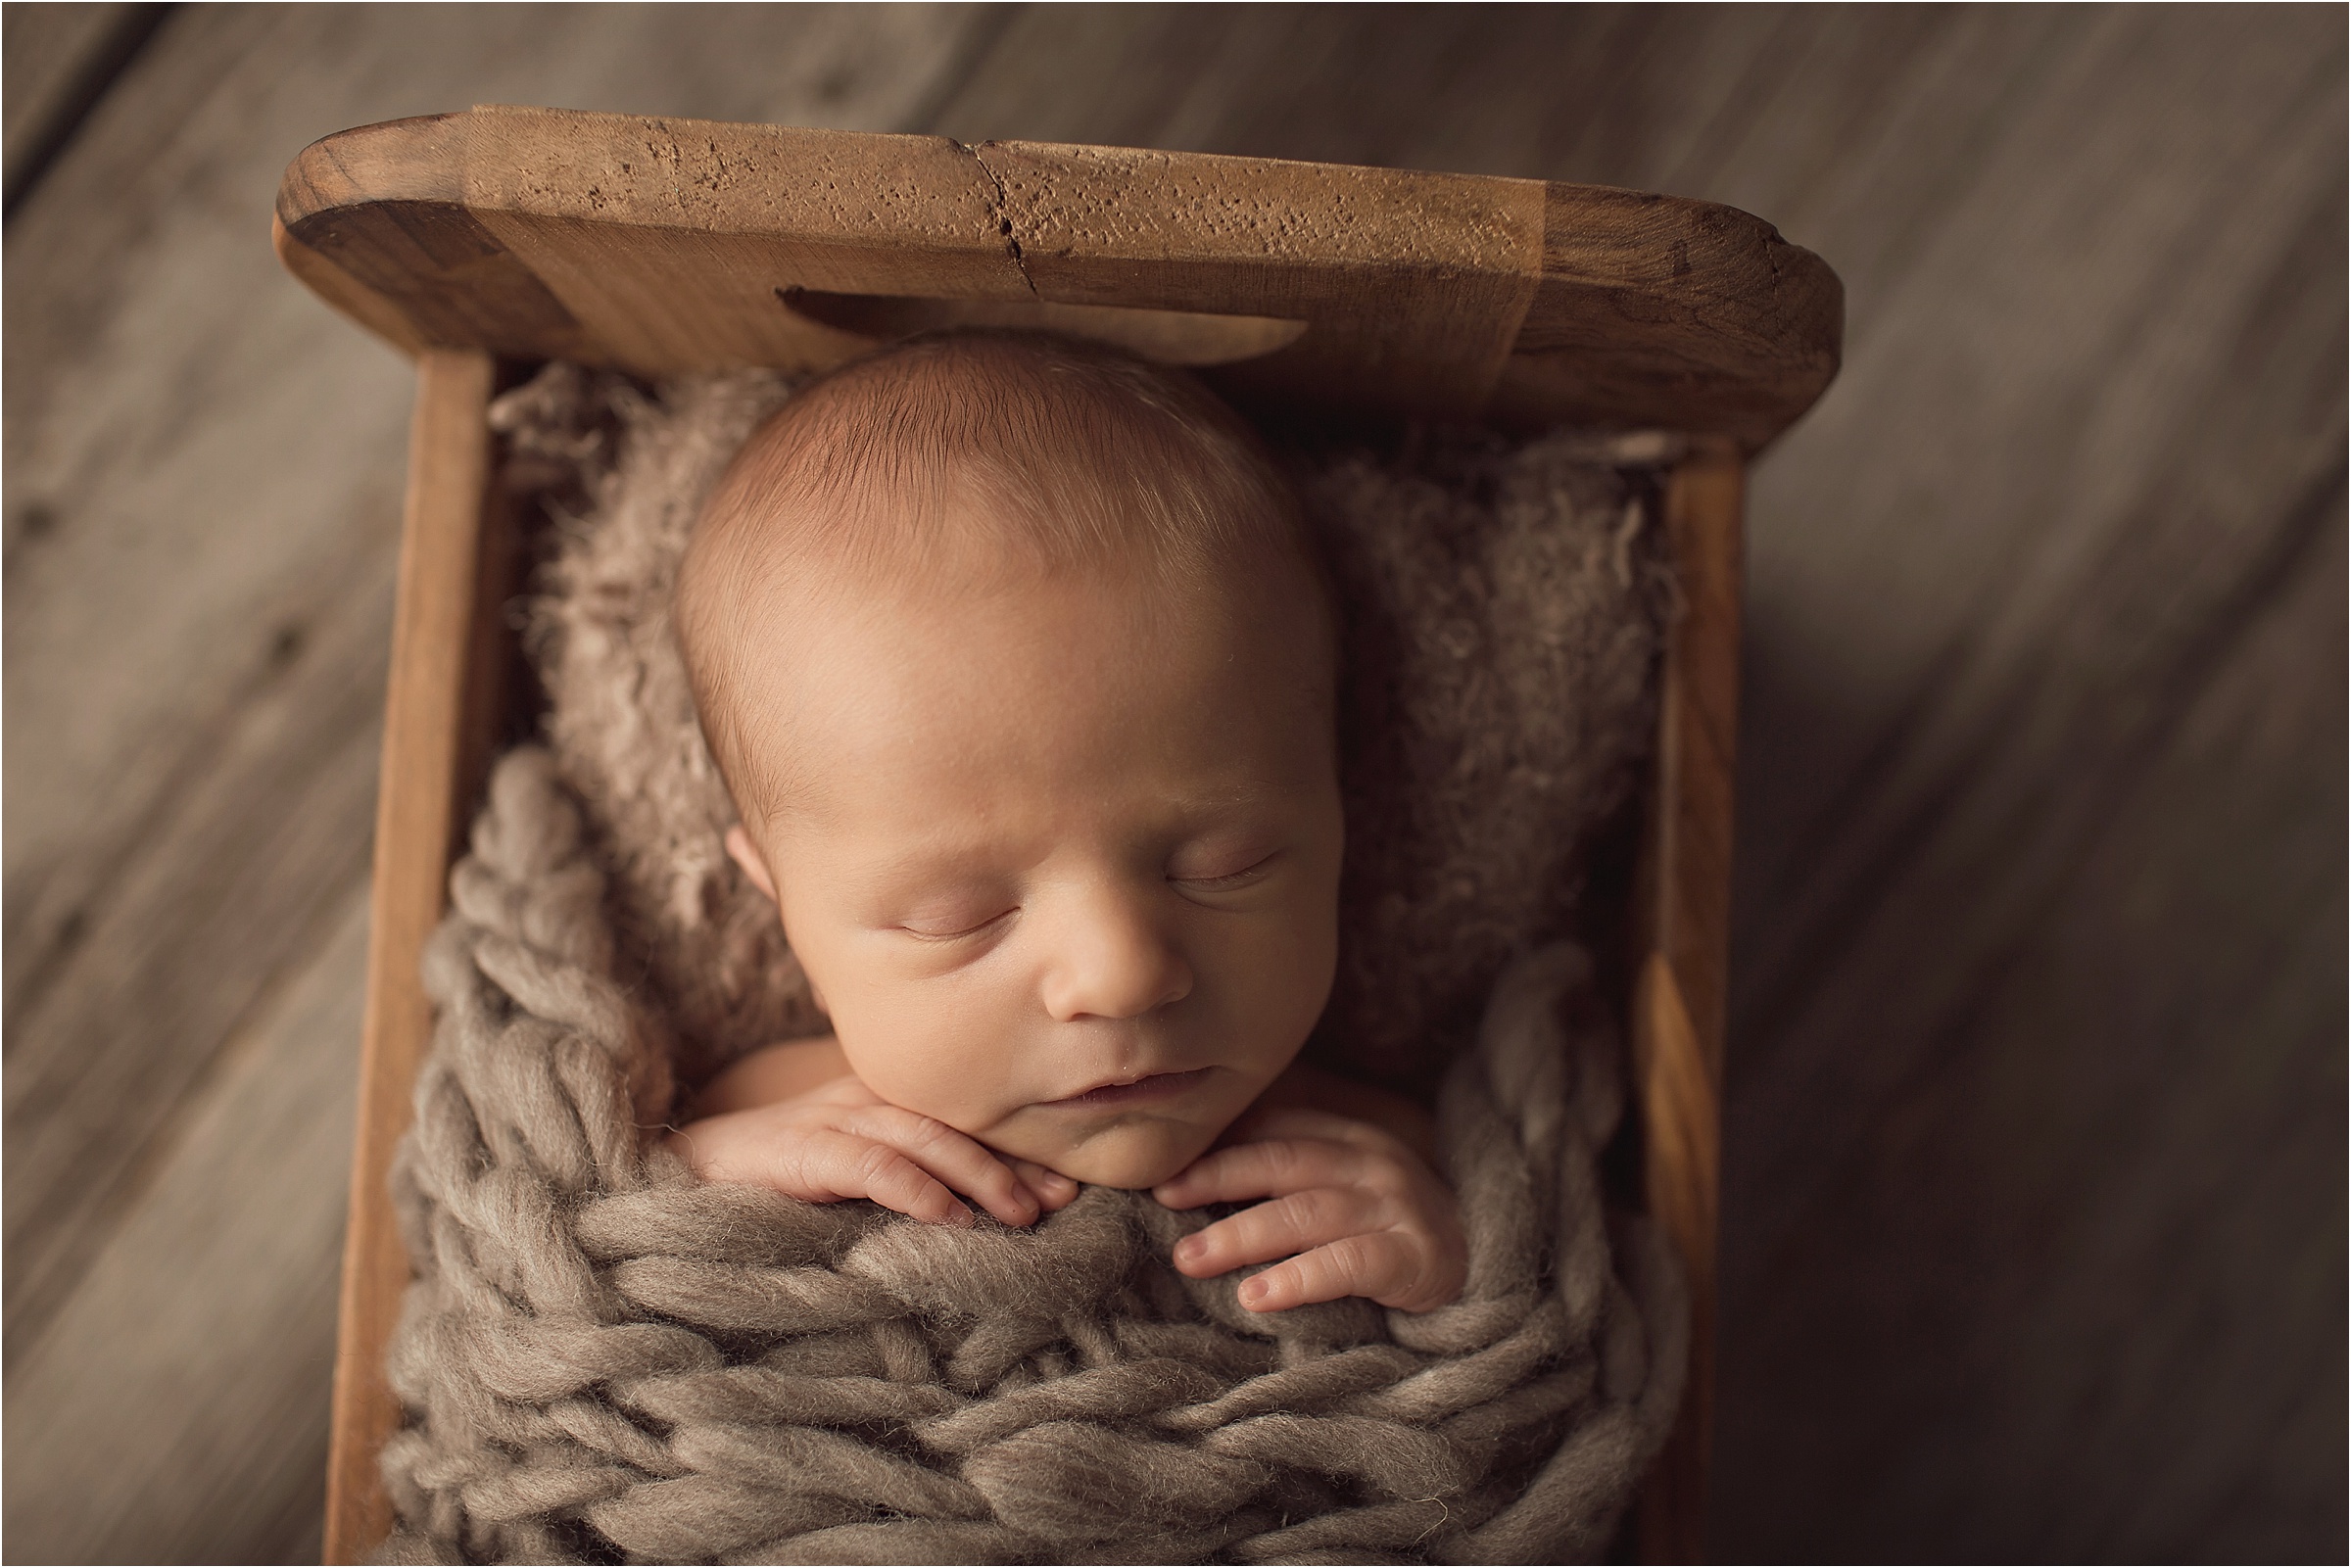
pixel 603 1358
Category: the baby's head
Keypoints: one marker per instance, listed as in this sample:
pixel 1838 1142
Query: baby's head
pixel 1017 664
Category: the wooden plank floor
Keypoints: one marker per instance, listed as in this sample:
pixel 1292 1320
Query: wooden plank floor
pixel 2034 1214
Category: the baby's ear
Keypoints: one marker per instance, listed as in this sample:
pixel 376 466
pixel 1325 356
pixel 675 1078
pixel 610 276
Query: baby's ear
pixel 754 865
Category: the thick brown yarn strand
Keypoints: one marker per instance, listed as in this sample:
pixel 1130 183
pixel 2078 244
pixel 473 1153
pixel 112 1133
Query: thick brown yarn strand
pixel 602 1357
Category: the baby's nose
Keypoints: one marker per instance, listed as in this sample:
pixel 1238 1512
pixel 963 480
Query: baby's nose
pixel 1113 962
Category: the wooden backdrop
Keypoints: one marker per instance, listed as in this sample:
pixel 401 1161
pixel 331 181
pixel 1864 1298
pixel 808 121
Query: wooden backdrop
pixel 2033 1206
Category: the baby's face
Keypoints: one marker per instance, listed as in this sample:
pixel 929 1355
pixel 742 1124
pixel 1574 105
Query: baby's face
pixel 1062 858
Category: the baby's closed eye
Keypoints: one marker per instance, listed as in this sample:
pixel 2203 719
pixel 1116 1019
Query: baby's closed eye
pixel 1218 867
pixel 951 922
pixel 1231 879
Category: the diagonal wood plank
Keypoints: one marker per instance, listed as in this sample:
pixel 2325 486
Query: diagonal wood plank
pixel 57 61
pixel 2114 381
pixel 177 1411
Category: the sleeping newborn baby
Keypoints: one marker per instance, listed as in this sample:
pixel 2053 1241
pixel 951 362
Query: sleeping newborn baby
pixel 1019 666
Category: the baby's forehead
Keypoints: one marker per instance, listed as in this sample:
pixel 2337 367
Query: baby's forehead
pixel 994 469
pixel 994 574
pixel 901 542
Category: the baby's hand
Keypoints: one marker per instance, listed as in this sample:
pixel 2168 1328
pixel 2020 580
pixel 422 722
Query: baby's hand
pixel 1353 1210
pixel 841 1140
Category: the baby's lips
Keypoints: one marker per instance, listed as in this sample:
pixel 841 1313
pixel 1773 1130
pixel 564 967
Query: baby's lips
pixel 1160 1085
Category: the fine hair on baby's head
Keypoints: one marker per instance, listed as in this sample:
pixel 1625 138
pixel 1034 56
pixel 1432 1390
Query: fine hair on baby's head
pixel 963 462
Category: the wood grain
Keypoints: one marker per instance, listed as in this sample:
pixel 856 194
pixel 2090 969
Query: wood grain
pixel 48 51
pixel 433 733
pixel 1682 921
pixel 2009 959
pixel 60 60
pixel 670 246
pixel 134 999
pixel 177 1411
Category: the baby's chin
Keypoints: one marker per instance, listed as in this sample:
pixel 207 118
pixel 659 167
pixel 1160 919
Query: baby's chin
pixel 1137 1154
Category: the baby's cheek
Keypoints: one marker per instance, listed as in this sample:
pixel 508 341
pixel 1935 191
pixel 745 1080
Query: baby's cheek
pixel 907 1080
pixel 914 1063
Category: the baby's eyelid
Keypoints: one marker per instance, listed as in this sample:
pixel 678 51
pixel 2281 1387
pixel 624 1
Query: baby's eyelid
pixel 968 930
pixel 1247 872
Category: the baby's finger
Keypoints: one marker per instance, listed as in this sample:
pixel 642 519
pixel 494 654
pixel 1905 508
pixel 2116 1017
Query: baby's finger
pixel 1053 1190
pixel 821 1165
pixel 1269 1169
pixel 963 1163
pixel 1382 1265
pixel 1279 1228
pixel 890 1179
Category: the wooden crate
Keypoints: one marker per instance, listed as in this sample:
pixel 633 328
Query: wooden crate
pixel 504 237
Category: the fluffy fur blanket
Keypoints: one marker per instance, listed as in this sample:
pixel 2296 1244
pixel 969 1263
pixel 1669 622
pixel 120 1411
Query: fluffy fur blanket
pixel 603 1358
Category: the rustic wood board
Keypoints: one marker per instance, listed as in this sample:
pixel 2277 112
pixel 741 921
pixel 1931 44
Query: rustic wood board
pixel 59 60
pixel 2033 1001
pixel 1681 937
pixel 446 609
pixel 209 1311
pixel 2033 1226
pixel 670 246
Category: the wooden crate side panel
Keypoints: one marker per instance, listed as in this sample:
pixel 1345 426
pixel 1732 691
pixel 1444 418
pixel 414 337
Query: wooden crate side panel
pixel 1683 916
pixel 435 728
